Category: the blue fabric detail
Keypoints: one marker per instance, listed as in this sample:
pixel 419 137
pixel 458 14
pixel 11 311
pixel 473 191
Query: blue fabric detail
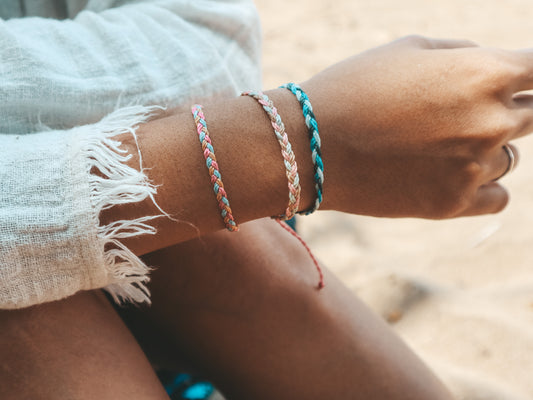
pixel 178 381
pixel 198 391
pixel 292 223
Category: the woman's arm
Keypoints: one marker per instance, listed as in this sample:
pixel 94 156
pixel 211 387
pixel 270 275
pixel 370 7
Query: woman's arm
pixel 67 75
pixel 411 129
pixel 414 128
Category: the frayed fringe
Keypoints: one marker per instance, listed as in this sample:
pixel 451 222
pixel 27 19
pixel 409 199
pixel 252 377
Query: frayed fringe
pixel 118 183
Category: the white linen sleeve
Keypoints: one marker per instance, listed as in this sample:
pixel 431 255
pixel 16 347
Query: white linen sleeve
pixel 75 71
pixel 54 186
pixel 68 89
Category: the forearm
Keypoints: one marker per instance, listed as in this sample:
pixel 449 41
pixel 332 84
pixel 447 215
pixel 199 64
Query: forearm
pixel 250 163
pixel 387 151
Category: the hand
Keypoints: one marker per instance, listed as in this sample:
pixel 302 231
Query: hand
pixel 416 128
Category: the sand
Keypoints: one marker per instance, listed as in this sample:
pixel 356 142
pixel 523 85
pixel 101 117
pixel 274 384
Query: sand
pixel 459 292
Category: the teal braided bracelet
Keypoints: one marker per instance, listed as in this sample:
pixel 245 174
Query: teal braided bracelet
pixel 314 138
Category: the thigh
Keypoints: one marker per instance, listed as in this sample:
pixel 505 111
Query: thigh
pixel 76 348
pixel 244 308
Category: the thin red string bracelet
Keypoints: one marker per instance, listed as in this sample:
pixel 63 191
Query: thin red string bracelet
pixel 293 233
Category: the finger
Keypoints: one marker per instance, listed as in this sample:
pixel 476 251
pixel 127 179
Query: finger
pixel 523 100
pixel 431 43
pixel 523 61
pixel 503 162
pixel 451 43
pixel 489 199
pixel 523 112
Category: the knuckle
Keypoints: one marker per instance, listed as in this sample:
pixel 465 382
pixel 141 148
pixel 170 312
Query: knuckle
pixel 523 126
pixel 492 128
pixel 472 171
pixel 502 126
pixel 453 207
pixel 458 192
pixel 470 43
pixel 415 40
pixel 468 175
pixel 499 69
pixel 514 65
pixel 449 205
pixel 518 71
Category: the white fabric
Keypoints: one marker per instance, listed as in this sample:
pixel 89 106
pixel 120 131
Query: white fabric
pixel 64 92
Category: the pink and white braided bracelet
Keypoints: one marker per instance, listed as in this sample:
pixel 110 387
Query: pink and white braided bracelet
pixel 212 166
pixel 291 169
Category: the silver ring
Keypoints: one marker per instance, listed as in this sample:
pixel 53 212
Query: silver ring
pixel 512 160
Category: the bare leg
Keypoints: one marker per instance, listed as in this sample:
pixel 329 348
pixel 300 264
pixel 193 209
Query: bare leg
pixel 72 349
pixel 244 307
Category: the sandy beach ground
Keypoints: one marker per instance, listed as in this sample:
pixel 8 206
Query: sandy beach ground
pixel 459 292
